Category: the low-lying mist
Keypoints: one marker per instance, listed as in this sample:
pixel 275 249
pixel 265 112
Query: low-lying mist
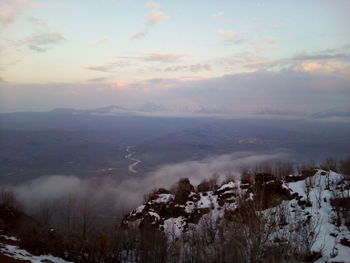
pixel 58 198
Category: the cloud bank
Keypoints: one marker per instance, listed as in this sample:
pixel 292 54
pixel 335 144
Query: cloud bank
pixel 43 41
pixel 127 193
pixel 294 90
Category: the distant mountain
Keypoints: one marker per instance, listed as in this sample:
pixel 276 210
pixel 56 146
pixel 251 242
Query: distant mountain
pixel 103 110
pixel 146 108
pixel 64 111
pixel 195 108
pixel 149 107
pixel 333 112
pixel 273 111
pixel 108 109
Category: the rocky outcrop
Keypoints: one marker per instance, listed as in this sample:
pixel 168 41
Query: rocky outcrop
pixel 184 205
pixel 270 191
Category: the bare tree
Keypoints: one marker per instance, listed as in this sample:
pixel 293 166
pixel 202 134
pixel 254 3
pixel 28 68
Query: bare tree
pixel 67 210
pixel 87 215
pixel 329 164
pixel 8 198
pixel 282 169
pixel 45 213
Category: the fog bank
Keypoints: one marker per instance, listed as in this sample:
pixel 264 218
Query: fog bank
pixel 121 195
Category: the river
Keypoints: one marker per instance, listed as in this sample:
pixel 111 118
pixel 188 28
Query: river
pixel 130 157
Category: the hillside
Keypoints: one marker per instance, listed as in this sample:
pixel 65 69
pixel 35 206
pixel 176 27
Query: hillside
pixel 263 219
pixel 14 223
pixel 255 217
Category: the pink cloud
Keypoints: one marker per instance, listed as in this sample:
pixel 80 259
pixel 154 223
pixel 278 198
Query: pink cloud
pixel 193 68
pixel 330 66
pixel 99 41
pixel 9 9
pixel 155 17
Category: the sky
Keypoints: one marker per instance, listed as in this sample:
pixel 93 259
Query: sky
pixel 243 56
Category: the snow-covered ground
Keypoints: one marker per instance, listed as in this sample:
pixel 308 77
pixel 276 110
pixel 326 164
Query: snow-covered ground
pixel 11 238
pixel 309 214
pixel 328 235
pixel 15 252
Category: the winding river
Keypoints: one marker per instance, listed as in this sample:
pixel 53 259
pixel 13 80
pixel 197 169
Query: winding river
pixel 134 160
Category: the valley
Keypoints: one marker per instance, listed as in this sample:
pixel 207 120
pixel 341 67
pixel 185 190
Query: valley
pixel 89 145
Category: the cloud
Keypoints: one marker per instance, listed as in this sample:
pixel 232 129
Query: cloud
pixel 291 85
pixel 200 67
pixel 341 54
pixel 176 68
pixel 217 15
pixel 231 37
pixel 248 61
pixel 10 9
pixel 240 95
pixel 163 57
pixel 270 111
pixel 98 79
pixel 193 68
pixel 259 47
pixel 6 17
pixel 137 35
pixel 153 5
pixel 43 41
pixel 37 21
pixel 196 171
pixel 105 68
pixel 99 41
pixel 122 62
pixel 226 33
pixel 329 66
pixel 152 18
pixel 3 66
pixel 155 16
pixel 109 67
pixel 127 193
pixel 322 56
pixel 336 112
pixel 287 92
pixel 326 61
pixel 331 61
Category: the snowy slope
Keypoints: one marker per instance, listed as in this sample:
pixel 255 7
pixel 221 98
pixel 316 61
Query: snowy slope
pixel 309 216
pixel 329 235
pixel 14 252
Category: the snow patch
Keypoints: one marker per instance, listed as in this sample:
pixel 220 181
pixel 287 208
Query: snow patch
pixel 11 238
pixel 21 254
pixel 163 199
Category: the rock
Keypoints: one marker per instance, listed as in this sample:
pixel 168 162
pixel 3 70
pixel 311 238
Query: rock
pixel 183 190
pixel 345 242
